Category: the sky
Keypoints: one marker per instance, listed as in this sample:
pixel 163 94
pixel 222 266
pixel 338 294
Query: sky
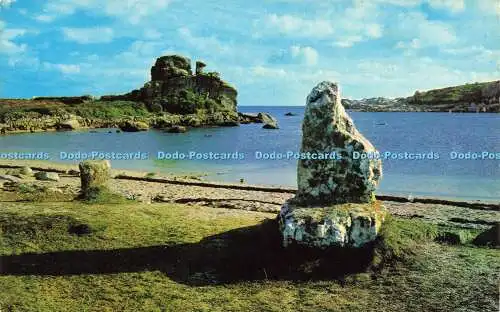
pixel 273 51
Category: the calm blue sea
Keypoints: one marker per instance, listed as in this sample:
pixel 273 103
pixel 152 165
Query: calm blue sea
pixel 441 133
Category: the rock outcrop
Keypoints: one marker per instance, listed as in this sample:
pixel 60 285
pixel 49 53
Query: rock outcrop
pixel 335 202
pixel 69 124
pixel 173 88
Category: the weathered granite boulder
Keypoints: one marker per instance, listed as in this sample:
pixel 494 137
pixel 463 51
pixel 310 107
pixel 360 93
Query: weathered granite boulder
pixel 343 225
pixel 327 128
pixel 335 203
pixel 170 66
pixel 94 177
pixel 47 176
pixel 69 124
pixel 264 118
pixel 269 121
pixel 177 129
pixel 133 126
pixel 490 237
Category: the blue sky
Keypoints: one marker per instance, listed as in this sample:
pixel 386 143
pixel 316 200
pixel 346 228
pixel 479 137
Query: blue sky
pixel 273 51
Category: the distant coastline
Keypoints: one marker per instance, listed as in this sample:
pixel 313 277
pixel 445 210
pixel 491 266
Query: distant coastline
pixel 468 98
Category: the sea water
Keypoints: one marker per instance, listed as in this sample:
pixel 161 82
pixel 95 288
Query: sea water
pixel 445 155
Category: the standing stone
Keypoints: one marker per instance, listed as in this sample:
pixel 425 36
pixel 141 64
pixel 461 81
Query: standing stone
pixel 327 129
pixel 94 176
pixel 335 203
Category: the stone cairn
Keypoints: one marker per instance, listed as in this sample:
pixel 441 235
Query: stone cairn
pixel 335 203
pixel 94 176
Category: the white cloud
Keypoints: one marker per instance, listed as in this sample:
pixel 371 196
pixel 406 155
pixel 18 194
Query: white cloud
pixel 347 42
pixel 404 3
pixel 489 6
pixel 89 35
pixel 307 55
pixel 262 71
pixel 44 18
pixel 63 68
pixel 6 3
pixel 206 44
pixel 132 11
pixel 374 31
pixel 355 24
pixel 401 76
pixel 296 26
pixel 478 53
pixel 421 32
pixel 152 34
pixel 7 37
pixel 453 5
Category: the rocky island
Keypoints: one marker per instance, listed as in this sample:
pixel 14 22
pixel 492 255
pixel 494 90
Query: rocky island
pixel 174 97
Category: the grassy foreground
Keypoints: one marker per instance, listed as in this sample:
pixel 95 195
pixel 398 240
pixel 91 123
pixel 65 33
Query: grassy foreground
pixel 163 257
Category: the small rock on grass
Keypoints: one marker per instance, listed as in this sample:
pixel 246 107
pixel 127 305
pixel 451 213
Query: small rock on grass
pixel 47 176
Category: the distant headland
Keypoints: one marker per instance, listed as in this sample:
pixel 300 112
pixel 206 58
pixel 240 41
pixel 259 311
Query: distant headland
pixel 475 97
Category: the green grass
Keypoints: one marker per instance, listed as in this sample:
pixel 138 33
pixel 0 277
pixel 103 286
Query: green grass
pixel 112 110
pixel 164 257
pixel 93 109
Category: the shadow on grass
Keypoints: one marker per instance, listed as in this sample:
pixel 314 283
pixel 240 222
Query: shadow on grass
pixel 245 254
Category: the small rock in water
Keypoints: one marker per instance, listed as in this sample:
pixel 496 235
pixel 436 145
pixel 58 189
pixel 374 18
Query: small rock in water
pixel 335 203
pixel 134 126
pixel 270 126
pixel 47 176
pixel 269 121
pixel 177 129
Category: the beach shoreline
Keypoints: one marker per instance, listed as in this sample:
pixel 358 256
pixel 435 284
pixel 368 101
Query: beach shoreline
pixel 194 180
